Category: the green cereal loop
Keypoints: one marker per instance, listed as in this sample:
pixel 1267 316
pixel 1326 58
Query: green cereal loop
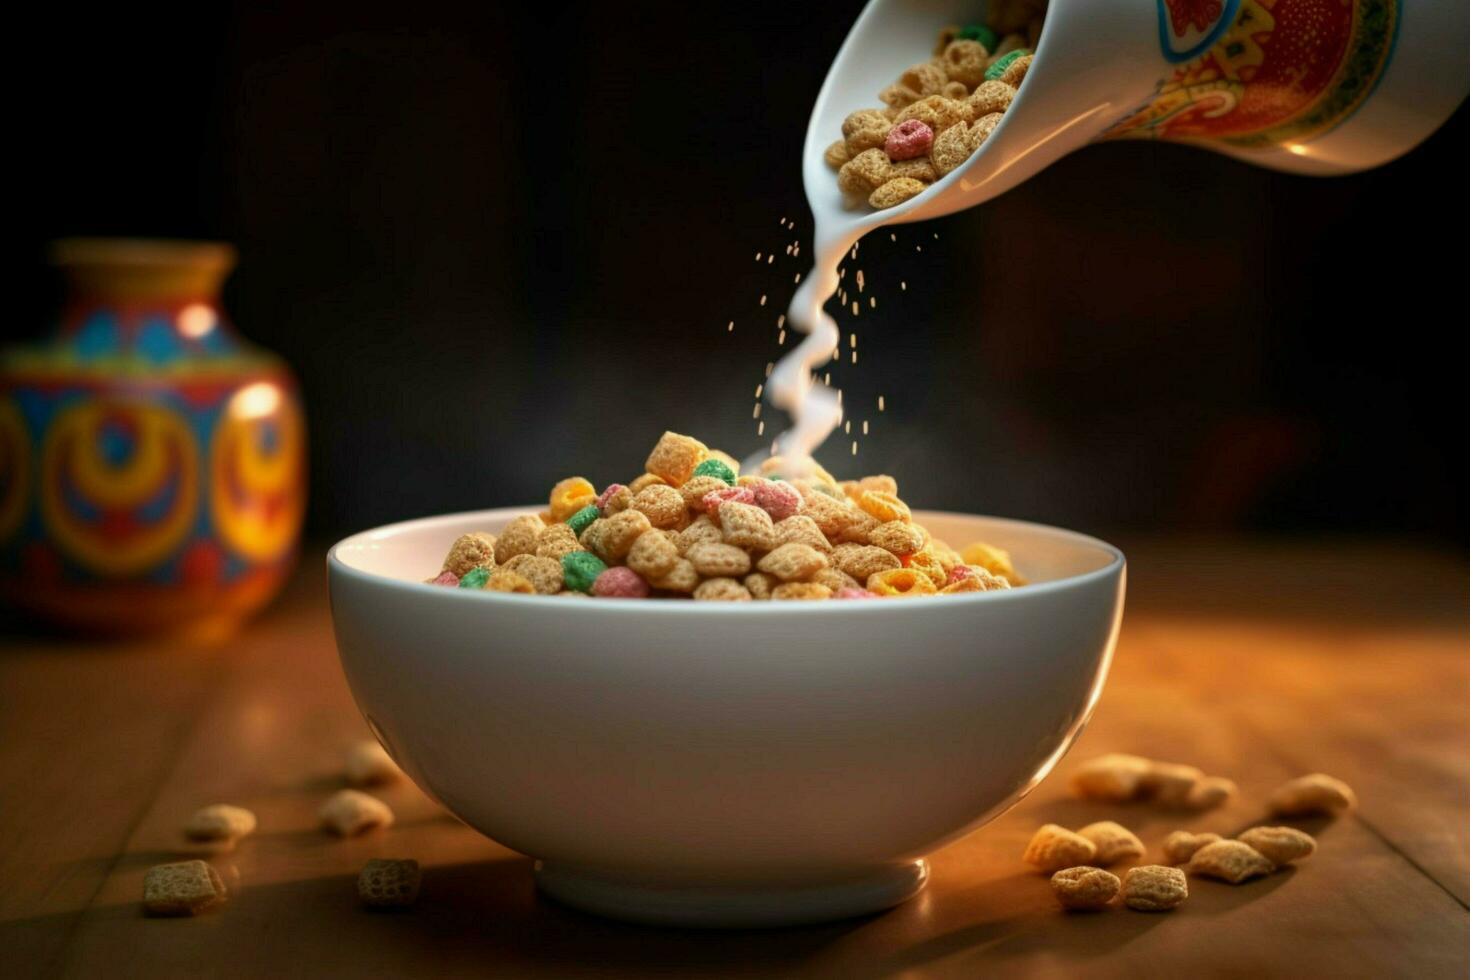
pixel 579 569
pixel 716 468
pixel 999 68
pixel 578 522
pixel 474 578
pixel 981 33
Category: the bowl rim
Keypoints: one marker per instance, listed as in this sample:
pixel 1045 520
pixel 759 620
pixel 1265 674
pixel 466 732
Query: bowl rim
pixel 336 566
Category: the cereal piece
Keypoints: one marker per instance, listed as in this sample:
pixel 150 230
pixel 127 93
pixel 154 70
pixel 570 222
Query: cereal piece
pixel 1229 860
pixel 792 562
pixel 934 111
pixel 919 168
pixel 947 34
pixel 996 561
pixel 900 582
pixel 1053 848
pixel 857 525
pixel 570 496
pixel 898 537
pixel 1210 792
pixel 473 550
pixel 1084 888
pixel 896 98
pixel 475 578
pixel 1170 782
pixel 907 140
pixel 607 496
pixel 836 154
pixel 836 580
pixel 369 764
pixel 612 537
pixel 925 78
pixel 988 97
pixel 622 582
pixel 964 61
pixel 862 561
pixel 518 538
pixel 644 482
pixel 578 522
pixel 978 32
pixel 949 559
pixel 1012 41
pixel 675 457
pixel 1154 888
pixel 579 570
pixel 884 506
pixel 504 580
pixel 349 813
pixel 728 460
pixel 220 821
pixel 654 555
pixel 983 127
pixel 388 884
pixel 865 172
pixel 561 539
pixel 1280 845
pixel 1180 846
pixel 747 526
pixel 696 488
pixel 718 560
pixel 446 578
pixel 951 148
pixel 660 504
pixel 863 130
pixel 183 888
pixel 760 585
pixel 1307 795
pixel 703 528
pixel 1114 778
pixel 802 530
pixel 1114 842
pixel 999 65
pixel 721 589
pixel 544 574
pixel 716 468
pixel 711 501
pixel 956 91
pixel 800 590
pixel 924 561
pixel 1015 71
pixel 832 515
pixel 681 578
pixel 854 594
pixel 777 498
pixel 973 578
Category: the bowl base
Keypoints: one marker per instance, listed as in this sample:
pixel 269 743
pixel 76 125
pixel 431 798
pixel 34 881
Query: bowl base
pixel 734 905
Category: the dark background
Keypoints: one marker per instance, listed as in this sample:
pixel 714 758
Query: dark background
pixel 501 246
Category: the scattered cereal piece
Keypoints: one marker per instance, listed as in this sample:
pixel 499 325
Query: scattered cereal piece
pixel 183 888
pixel 1114 778
pixel 1114 842
pixel 579 570
pixel 1154 888
pixel 570 496
pixel 792 562
pixel 475 578
pixel 622 582
pixel 1180 846
pixel 1209 793
pixel 220 821
pixel 1229 860
pixel 717 559
pixel 653 555
pixel 800 590
pixel 350 812
pixel 675 457
pixel 544 574
pixel 1280 845
pixel 1084 888
pixel 1170 782
pixel 716 468
pixel 908 139
pixel 1053 848
pixel 473 550
pixel 1306 795
pixel 518 538
pixel 505 580
pixel 579 521
pixel 369 764
pixel 445 578
pixel 900 582
pixel 388 884
pixel 721 589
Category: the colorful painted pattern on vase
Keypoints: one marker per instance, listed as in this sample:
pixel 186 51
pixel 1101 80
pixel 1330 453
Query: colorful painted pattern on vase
pixel 1270 72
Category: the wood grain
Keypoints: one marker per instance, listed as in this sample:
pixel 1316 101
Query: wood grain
pixel 104 751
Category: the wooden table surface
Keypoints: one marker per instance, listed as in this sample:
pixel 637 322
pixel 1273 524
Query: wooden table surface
pixel 1256 662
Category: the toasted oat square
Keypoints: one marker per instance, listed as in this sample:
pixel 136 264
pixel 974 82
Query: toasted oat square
pixel 389 884
pixel 184 888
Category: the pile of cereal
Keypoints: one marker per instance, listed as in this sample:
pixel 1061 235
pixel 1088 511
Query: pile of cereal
pixel 691 525
pixel 939 111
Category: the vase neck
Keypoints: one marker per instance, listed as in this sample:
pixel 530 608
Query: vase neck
pixel 136 272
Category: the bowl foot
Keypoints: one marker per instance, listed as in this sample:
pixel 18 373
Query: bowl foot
pixel 735 905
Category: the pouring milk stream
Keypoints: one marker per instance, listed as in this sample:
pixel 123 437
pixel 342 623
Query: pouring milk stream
pixel 1319 87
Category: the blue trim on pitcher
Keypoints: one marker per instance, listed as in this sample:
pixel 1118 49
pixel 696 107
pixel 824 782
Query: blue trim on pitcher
pixel 1227 17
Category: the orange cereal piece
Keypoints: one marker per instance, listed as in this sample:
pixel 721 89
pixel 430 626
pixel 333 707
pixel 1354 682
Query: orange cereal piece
pixel 544 574
pixel 747 526
pixel 661 504
pixel 675 457
pixel 473 550
pixel 791 562
pixel 924 561
pixel 721 590
pixel 654 555
pixel 718 560
pixel 801 530
pixel 899 537
pixel 801 590
pixel 570 496
pixel 884 506
pixel 504 580
pixel 863 561
pixel 881 482
pixel 518 538
pixel 900 582
pixel 996 561
pixel 611 538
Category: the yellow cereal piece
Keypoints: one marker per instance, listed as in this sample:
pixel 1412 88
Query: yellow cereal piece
pixel 924 561
pixel 503 580
pixel 570 496
pixel 721 590
pixel 518 538
pixel 675 457
pixel 884 506
pixel 996 561
pixel 544 574
pixel 900 582
pixel 473 550
pixel 1053 848
pixel 800 590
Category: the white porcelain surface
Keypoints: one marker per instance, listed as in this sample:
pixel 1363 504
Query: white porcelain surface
pixel 760 762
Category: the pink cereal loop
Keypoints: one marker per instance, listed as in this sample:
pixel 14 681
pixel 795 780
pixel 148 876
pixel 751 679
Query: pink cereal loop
pixel 851 593
pixel 445 578
pixel 960 572
pixel 907 140
pixel 606 495
pixel 620 582
pixel 780 500
pixel 711 501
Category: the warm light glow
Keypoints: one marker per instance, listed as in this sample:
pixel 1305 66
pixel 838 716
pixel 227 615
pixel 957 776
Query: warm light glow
pixel 1297 148
pixel 256 401
pixel 196 320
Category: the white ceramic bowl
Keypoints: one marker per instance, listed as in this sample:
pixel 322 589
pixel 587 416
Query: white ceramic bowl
pixel 730 764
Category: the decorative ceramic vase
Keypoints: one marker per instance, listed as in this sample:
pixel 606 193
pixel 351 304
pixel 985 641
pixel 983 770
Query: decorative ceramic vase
pixel 152 464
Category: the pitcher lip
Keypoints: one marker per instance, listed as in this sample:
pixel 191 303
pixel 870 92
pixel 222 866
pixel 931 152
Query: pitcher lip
pixel 141 253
